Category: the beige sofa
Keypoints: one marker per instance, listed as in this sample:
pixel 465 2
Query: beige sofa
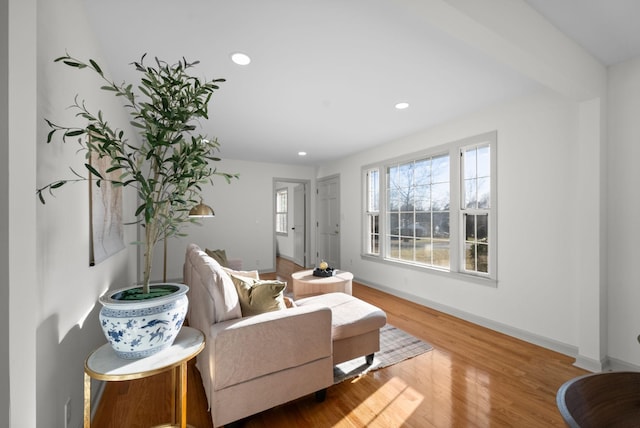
pixel 254 363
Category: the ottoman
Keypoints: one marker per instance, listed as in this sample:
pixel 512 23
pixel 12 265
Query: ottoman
pixel 355 325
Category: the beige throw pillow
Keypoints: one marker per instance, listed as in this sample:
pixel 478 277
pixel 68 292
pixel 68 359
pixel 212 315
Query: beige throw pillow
pixel 259 296
pixel 246 273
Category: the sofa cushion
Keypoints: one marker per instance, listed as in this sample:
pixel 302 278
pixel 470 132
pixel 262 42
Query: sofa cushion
pixel 258 296
pixel 350 315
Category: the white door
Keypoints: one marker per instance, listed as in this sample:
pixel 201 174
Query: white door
pixel 298 229
pixel 328 226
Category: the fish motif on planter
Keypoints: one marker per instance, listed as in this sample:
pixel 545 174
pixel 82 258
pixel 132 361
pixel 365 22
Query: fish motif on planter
pixel 136 342
pixel 158 335
pixel 153 323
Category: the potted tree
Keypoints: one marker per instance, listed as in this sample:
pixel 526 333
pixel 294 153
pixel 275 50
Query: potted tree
pixel 167 164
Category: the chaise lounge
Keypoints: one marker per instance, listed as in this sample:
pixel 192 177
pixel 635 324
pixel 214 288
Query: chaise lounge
pixel 256 360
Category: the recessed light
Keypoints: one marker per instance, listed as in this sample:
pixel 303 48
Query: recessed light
pixel 402 105
pixel 302 153
pixel 240 58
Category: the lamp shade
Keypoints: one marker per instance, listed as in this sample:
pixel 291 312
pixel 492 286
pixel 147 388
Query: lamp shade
pixel 201 210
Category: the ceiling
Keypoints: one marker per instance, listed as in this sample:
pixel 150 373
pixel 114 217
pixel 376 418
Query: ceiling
pixel 325 75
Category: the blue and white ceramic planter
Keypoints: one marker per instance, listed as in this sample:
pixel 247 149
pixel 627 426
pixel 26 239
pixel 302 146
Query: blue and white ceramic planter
pixel 139 328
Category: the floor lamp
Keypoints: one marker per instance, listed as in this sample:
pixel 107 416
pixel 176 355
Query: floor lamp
pixel 199 211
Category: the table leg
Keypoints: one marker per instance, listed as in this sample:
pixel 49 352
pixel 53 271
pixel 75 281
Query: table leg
pixel 183 395
pixel 174 401
pixel 87 401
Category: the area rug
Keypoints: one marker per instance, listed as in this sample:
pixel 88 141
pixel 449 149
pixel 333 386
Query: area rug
pixel 395 346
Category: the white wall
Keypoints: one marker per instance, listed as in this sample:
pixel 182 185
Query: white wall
pixel 536 293
pixel 624 206
pixel 68 289
pixel 5 366
pixel 20 241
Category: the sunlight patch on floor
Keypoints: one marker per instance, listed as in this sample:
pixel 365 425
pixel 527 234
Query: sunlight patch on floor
pixel 390 406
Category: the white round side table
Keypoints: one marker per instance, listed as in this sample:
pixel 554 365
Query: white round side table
pixel 104 364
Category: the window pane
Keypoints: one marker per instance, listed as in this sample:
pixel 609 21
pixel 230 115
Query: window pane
pixel 422 198
pixel 440 199
pixel 484 193
pixel 484 161
pixel 470 165
pixel 470 256
pixel 441 253
pixel 423 224
pixel 440 169
pixel 373 245
pixel 470 227
pixel 441 225
pixel 477 177
pixel 483 258
pixel 394 223
pixel 423 251
pixel 470 193
pixel 482 228
pixel 373 187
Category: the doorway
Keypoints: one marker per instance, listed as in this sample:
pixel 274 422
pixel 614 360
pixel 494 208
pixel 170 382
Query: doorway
pixel 292 242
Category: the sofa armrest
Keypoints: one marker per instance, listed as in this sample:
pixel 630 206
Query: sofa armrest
pixel 255 346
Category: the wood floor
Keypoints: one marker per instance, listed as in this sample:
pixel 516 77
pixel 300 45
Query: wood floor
pixel 474 377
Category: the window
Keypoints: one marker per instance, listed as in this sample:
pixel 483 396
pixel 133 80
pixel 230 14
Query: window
pixel 372 245
pixel 282 211
pixel 435 209
pixel 418 211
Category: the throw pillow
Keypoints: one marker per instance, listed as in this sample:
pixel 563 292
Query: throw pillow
pixel 259 296
pixel 247 273
pixel 218 255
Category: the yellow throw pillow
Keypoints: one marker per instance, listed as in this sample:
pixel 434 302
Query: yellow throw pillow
pixel 259 296
pixel 218 255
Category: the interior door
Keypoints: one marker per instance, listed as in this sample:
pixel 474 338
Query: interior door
pixel 328 226
pixel 298 229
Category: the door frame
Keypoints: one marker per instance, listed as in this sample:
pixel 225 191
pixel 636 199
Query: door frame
pixel 307 216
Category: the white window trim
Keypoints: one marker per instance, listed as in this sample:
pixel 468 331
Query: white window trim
pixel 456 269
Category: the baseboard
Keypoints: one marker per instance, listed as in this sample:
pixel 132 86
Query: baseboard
pixel 594 366
pixel 621 366
pixel 529 337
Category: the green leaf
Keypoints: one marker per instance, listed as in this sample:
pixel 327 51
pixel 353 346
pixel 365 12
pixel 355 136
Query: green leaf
pixel 93 171
pixel 95 66
pixel 74 64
